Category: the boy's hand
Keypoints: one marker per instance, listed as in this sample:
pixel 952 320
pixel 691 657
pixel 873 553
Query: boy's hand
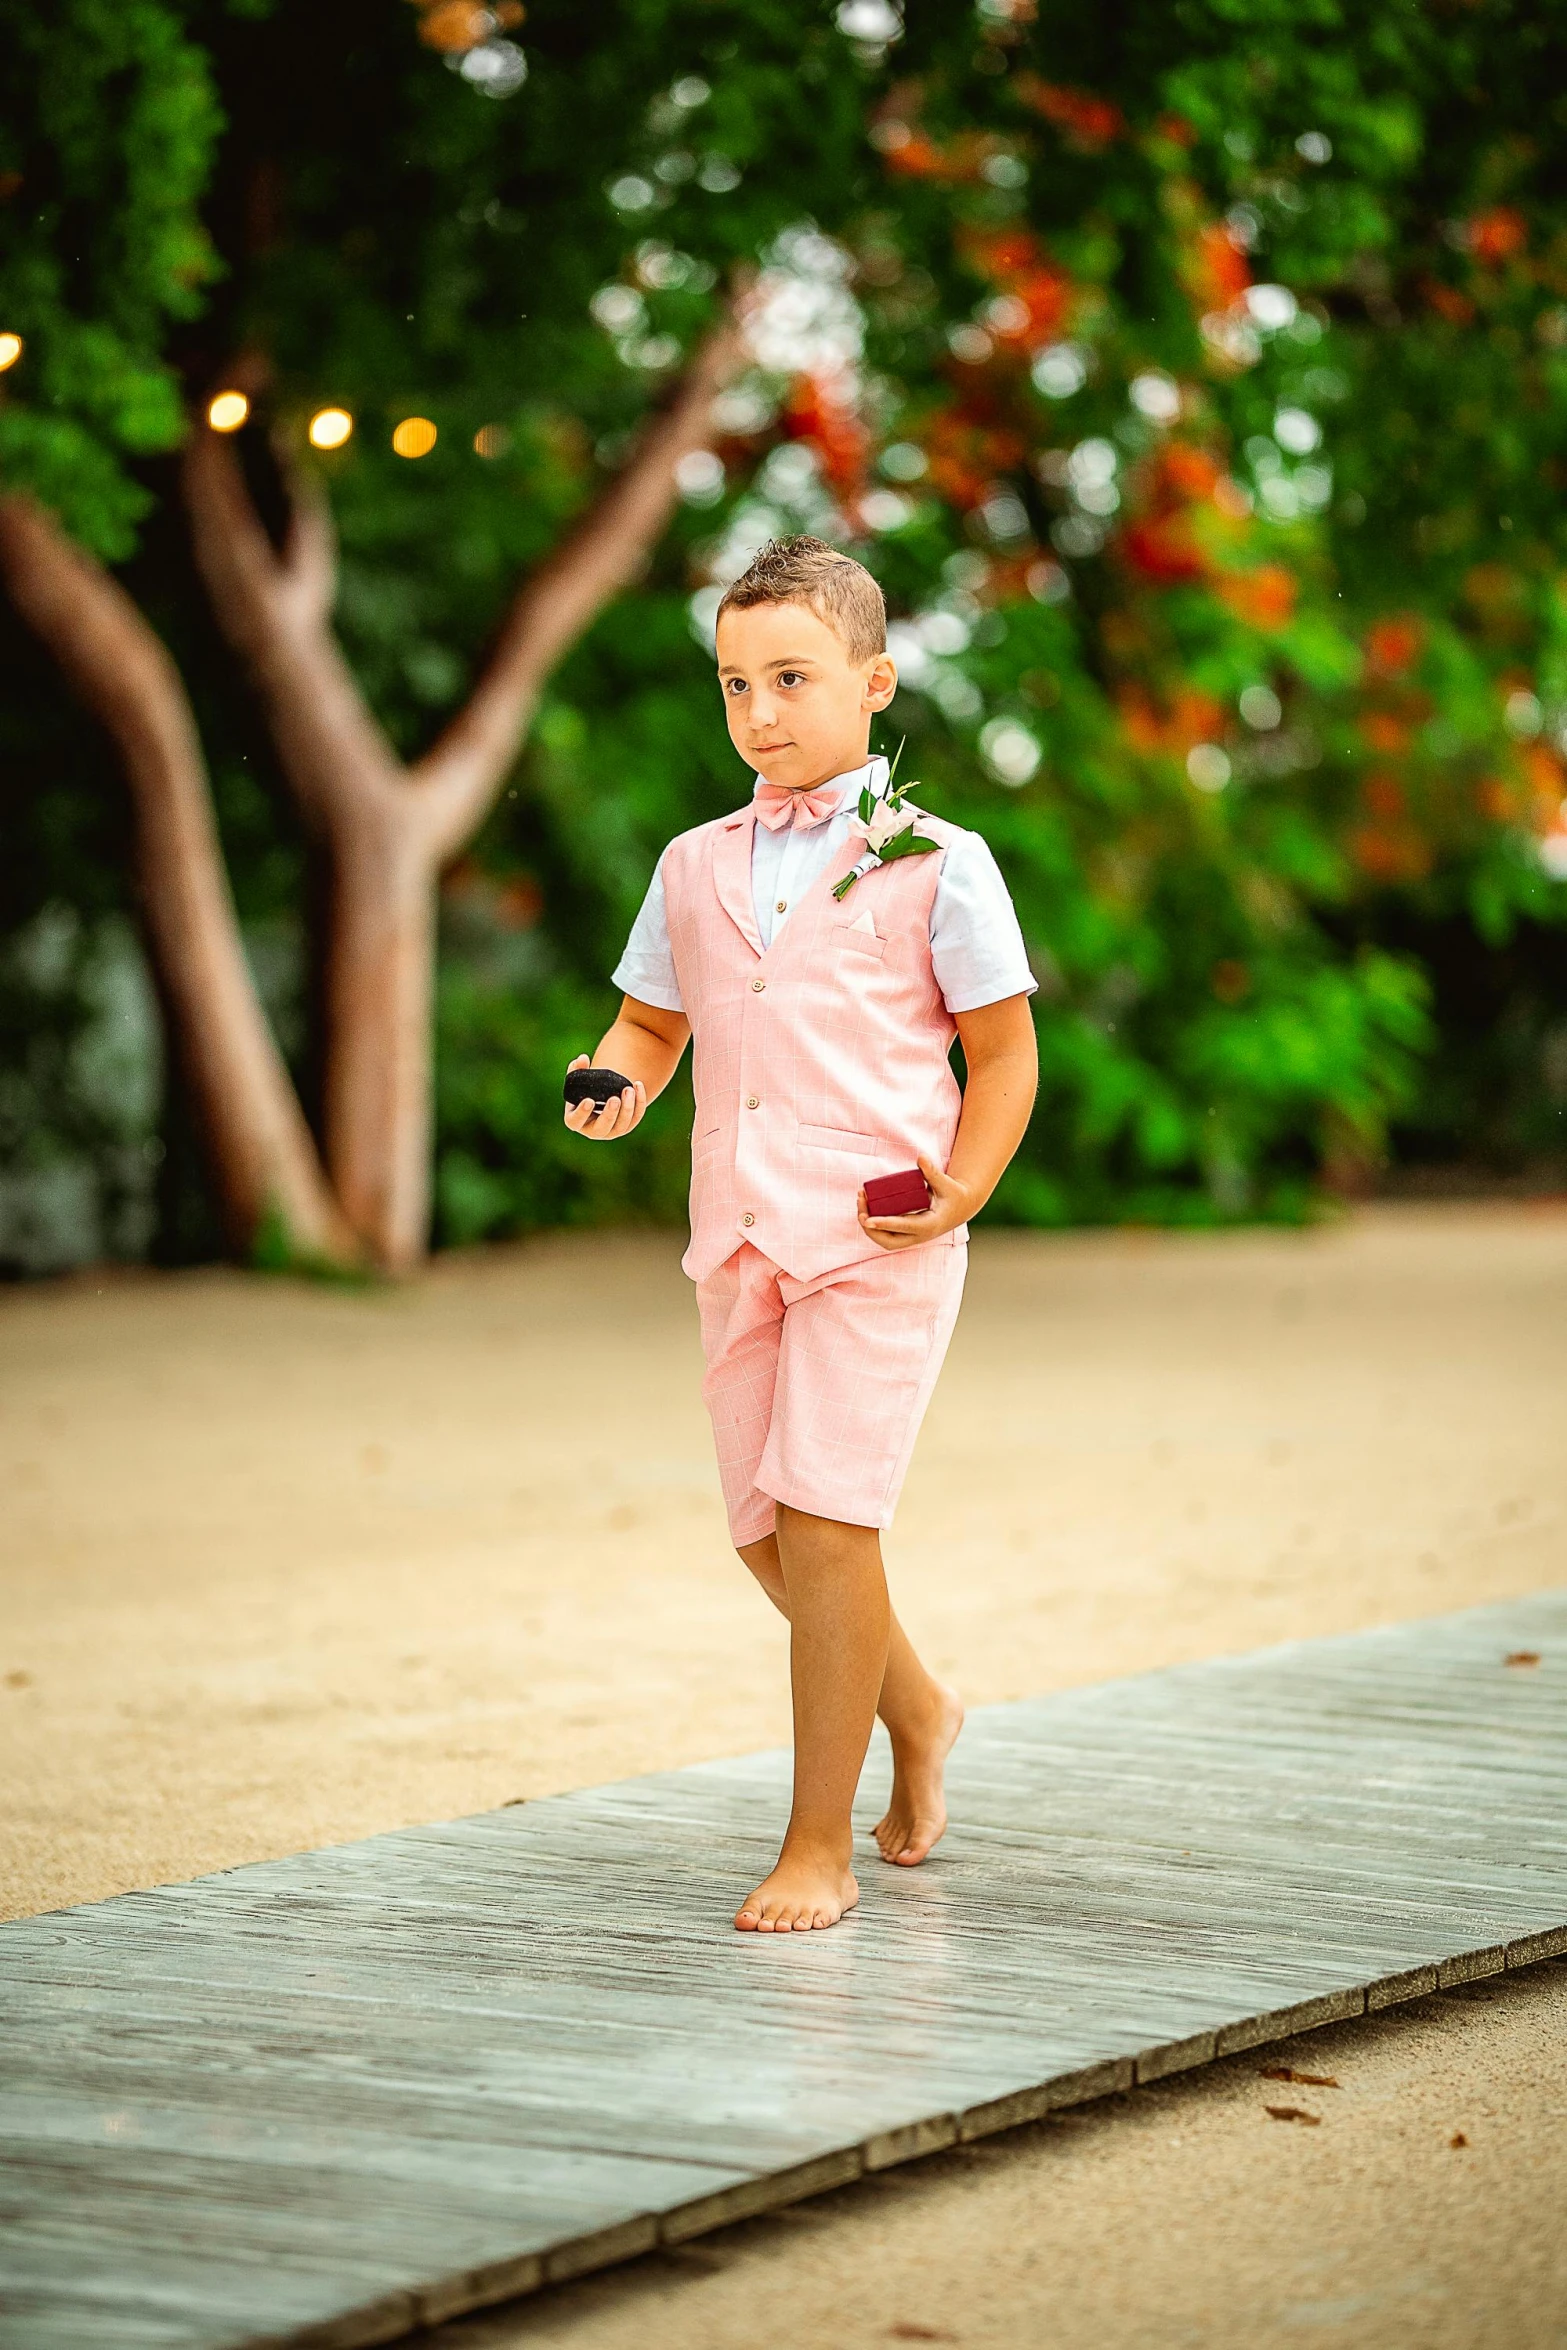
pixel 620 1113
pixel 951 1204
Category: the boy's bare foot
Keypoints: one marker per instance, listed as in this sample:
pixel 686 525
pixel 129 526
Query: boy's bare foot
pixel 805 1891
pixel 916 1817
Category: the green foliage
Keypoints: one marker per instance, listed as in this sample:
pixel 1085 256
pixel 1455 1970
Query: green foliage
pixel 1258 696
pixel 107 130
pixel 506 1163
pixel 79 1084
pixel 1289 706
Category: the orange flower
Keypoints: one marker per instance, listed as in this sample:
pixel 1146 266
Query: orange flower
pixel 1391 855
pixel 1140 719
pixel 1163 543
pixel 967 453
pixel 1015 262
pixel 1186 472
pixel 1195 718
pixel 1447 301
pixel 816 412
pixel 1392 644
pixel 1383 795
pixel 918 156
pixel 454 26
pixel 1176 129
pixel 1495 236
pixel 1003 256
pixel 1384 732
pixel 1163 547
pixel 1547 783
pixel 1046 294
pixel 1191 717
pixel 1082 118
pixel 1215 268
pixel 914 155
pixel 1496 799
pixel 1264 598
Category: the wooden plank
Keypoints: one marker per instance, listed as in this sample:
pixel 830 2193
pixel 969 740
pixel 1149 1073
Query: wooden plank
pixel 336 2097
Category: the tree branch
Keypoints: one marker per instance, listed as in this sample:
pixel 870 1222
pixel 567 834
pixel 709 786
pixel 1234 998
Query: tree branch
pixel 606 549
pixel 276 611
pixel 262 1152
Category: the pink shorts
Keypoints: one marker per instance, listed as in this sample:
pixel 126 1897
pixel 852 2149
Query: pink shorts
pixel 817 1388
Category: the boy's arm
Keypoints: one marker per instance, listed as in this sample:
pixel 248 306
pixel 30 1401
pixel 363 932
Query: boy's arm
pixel 1002 1055
pixel 644 1044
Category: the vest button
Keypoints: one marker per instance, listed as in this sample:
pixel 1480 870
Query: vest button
pixel 748 1219
pixel 757 986
pixel 782 906
pixel 751 1102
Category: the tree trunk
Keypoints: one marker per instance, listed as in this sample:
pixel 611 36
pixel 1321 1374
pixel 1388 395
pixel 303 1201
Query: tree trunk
pixel 269 1179
pixel 377 1104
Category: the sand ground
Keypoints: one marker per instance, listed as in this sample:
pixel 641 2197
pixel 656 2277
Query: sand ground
pixel 284 1566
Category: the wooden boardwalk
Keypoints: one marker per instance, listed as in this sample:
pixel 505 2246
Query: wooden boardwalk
pixel 329 2099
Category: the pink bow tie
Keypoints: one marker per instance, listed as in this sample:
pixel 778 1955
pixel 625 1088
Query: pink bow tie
pixel 776 807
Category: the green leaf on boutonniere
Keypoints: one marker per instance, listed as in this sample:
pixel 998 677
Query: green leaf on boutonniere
pixel 867 805
pixel 907 844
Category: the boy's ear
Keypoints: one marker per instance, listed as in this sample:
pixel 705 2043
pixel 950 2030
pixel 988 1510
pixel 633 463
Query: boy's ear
pixel 881 682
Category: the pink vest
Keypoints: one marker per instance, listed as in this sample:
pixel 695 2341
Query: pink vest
pixel 818 1063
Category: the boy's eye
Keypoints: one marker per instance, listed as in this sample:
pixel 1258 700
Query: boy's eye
pixel 790 677
pixel 734 685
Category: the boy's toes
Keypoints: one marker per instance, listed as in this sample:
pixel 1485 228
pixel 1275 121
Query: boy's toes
pixel 789 1902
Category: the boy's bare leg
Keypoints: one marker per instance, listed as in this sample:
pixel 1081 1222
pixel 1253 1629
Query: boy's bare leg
pixel 836 1594
pixel 923 1718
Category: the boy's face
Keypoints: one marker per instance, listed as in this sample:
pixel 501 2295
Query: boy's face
pixel 799 709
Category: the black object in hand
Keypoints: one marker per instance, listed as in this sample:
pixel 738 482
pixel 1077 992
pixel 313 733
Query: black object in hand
pixel 594 1085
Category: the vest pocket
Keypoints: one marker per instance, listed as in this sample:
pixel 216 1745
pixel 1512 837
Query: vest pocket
pixel 705 1142
pixel 864 942
pixel 839 1138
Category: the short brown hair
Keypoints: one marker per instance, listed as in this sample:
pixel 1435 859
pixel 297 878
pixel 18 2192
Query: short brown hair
pixel 807 571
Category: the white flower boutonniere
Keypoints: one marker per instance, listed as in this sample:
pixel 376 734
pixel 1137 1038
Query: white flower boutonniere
pixel 889 818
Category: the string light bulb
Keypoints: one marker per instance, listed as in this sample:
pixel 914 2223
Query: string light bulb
pixel 414 437
pixel 330 428
pixel 227 411
pixel 10 350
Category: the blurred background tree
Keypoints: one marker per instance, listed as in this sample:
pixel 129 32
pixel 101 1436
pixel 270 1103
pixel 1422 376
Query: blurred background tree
pixel 1193 385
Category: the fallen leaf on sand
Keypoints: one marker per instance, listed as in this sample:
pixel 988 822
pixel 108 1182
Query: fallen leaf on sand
pixel 1458 2139
pixel 1287 2072
pixel 1293 2113
pixel 1522 1656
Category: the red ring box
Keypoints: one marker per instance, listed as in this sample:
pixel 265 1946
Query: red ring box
pixel 907 1194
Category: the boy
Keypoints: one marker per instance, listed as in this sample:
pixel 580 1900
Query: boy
pixel 822 1029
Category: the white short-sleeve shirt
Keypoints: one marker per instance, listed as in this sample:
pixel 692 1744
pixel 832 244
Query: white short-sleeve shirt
pixel 976 947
